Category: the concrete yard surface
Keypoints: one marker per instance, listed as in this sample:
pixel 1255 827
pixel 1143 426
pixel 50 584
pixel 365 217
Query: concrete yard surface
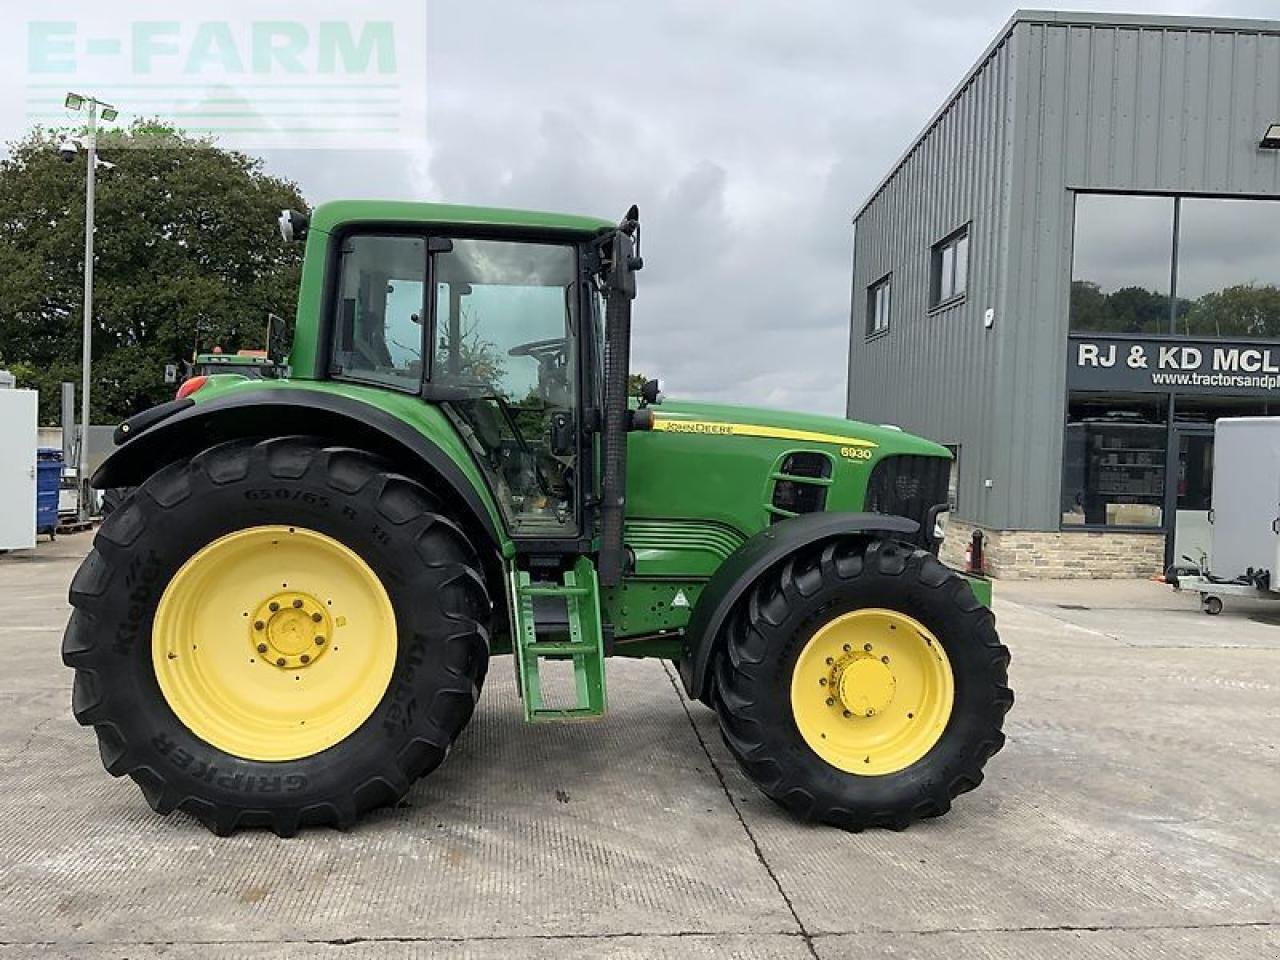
pixel 1135 812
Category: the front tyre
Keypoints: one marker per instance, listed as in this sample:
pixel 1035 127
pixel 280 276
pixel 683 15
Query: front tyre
pixel 863 685
pixel 277 634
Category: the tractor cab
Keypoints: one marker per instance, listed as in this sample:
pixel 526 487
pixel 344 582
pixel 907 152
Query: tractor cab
pixel 491 329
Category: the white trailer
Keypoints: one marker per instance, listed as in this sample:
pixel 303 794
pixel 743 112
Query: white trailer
pixel 1245 515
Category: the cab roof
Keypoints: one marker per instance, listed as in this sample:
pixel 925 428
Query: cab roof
pixel 329 216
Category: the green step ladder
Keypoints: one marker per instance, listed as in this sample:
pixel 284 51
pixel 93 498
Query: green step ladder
pixel 584 642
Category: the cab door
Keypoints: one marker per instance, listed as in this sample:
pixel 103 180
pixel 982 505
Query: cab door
pixel 506 342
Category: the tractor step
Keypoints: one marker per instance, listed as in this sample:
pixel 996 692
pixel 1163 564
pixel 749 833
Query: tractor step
pixel 578 637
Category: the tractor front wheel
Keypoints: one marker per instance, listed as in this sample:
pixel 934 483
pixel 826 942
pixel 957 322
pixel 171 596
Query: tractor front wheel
pixel 863 685
pixel 277 633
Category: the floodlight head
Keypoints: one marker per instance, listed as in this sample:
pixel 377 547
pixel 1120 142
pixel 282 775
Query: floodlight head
pixel 74 101
pixel 109 113
pixel 1271 138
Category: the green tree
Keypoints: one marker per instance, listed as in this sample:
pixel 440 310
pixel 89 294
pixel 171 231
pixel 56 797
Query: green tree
pixel 186 252
pixel 1245 310
pixel 1138 310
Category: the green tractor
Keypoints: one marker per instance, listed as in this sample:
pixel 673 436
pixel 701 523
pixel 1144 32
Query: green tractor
pixel 289 620
pixel 251 364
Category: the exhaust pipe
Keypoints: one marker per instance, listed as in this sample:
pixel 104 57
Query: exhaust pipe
pixel 620 286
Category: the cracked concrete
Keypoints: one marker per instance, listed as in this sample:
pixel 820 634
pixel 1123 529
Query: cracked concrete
pixel 1132 814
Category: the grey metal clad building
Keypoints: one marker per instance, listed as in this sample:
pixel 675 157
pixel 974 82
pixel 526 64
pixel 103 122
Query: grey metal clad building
pixel 1071 273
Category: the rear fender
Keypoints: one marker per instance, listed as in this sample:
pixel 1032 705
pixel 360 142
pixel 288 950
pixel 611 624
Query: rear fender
pixel 155 442
pixel 743 568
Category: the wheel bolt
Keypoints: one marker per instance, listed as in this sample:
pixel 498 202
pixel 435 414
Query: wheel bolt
pixel 304 658
pixel 262 648
pixel 871 713
pixel 259 625
pixel 848 714
pixel 822 682
pixel 847 648
pixel 884 659
pixel 831 702
pixel 273 606
pixel 830 661
pixel 319 641
pixel 866 647
pixel 297 604
pixel 280 661
pixel 317 616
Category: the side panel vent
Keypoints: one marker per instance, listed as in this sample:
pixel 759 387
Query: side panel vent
pixel 799 485
pixel 806 464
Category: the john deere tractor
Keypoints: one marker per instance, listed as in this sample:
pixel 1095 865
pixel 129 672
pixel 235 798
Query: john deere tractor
pixel 290 617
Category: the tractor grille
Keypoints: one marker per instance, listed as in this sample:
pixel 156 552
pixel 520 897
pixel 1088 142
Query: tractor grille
pixel 912 486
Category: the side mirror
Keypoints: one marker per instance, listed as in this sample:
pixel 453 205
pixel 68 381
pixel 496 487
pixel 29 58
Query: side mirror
pixel 293 225
pixel 277 332
pixel 561 434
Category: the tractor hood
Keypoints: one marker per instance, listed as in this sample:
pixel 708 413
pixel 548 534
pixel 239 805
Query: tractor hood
pixel 727 472
pixel 732 420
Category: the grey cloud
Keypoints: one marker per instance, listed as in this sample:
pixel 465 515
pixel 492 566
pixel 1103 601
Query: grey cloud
pixel 748 132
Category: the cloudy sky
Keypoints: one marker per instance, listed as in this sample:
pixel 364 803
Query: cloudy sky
pixel 748 132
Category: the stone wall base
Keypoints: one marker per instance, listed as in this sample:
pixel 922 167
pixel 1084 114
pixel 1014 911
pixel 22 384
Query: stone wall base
pixel 1067 554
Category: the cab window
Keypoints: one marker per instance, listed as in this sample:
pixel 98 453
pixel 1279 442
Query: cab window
pixel 380 309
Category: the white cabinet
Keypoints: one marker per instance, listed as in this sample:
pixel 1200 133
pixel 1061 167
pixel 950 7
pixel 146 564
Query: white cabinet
pixel 17 469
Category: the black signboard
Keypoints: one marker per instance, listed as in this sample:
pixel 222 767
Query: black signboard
pixel 1170 365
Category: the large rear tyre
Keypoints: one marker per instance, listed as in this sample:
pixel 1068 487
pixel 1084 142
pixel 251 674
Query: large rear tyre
pixel 277 634
pixel 863 685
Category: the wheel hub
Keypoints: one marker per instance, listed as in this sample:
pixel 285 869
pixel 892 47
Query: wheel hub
pixel 291 630
pixel 866 686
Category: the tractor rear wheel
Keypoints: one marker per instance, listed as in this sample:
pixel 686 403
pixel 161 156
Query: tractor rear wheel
pixel 863 685
pixel 277 633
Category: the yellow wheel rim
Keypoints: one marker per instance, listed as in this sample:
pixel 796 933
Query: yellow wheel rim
pixel 872 692
pixel 274 643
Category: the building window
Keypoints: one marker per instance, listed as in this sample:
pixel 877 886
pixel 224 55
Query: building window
pixel 878 302
pixel 1228 268
pixel 1122 264
pixel 949 275
pixel 1113 461
pixel 1195 266
pixel 953 479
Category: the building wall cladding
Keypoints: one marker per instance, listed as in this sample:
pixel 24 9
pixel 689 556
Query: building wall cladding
pixel 1084 102
pixel 914 375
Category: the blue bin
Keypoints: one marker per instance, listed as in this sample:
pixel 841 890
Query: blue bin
pixel 48 481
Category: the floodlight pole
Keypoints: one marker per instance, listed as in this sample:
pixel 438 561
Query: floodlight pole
pixel 82 466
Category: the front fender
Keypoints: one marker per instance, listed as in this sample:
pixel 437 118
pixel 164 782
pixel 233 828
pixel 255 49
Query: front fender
pixel 154 442
pixel 745 565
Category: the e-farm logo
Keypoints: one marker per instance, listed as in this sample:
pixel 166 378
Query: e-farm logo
pixel 264 74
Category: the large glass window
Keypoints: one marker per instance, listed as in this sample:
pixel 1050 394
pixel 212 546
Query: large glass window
pixel 1113 470
pixel 1190 265
pixel 1122 264
pixel 506 327
pixel 380 306
pixel 1228 268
